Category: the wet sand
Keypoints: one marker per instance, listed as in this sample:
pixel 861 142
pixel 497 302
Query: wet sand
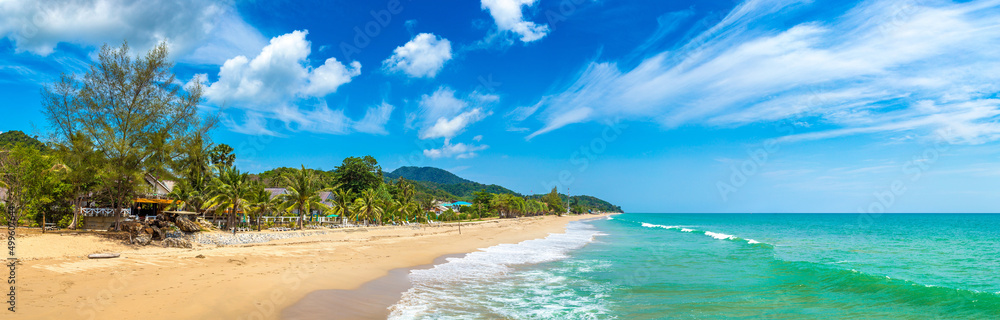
pixel 370 301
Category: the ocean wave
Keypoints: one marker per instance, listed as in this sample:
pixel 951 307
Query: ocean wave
pixel 960 303
pixel 455 280
pixel 720 236
pixel 649 225
pixel 716 235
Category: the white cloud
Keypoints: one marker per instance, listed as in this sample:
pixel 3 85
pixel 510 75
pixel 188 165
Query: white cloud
pixel 423 57
pixel 458 151
pixel 509 18
pixel 442 115
pixel 331 75
pixel 253 123
pixel 274 83
pixel 375 119
pixel 874 69
pixel 449 128
pixel 207 32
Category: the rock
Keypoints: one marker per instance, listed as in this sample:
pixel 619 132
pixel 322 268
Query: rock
pixel 186 225
pixel 158 233
pixel 206 225
pixel 176 243
pixel 142 239
pixel 200 256
pixel 133 228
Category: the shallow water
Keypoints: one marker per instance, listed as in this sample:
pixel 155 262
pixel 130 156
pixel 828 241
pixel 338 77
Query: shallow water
pixel 794 266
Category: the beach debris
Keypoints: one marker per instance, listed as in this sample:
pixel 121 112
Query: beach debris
pixel 104 255
pixel 176 243
pixel 200 256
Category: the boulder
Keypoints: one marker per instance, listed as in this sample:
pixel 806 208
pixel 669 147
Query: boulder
pixel 186 225
pixel 133 228
pixel 176 243
pixel 158 233
pixel 142 239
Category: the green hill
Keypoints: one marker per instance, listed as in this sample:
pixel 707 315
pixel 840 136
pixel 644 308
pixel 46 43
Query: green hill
pixel 439 184
pixel 11 138
pixel 438 179
pixel 583 203
pixel 428 174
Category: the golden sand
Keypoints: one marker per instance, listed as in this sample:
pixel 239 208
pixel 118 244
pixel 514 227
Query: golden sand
pixel 55 280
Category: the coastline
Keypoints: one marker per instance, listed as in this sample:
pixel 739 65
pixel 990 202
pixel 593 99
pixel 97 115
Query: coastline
pixel 237 282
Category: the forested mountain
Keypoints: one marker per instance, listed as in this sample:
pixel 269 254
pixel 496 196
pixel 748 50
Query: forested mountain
pixel 427 174
pixel 584 201
pixel 443 185
pixel 434 178
pixel 11 138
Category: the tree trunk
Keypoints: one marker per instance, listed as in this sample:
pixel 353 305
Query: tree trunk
pixel 76 213
pixel 301 213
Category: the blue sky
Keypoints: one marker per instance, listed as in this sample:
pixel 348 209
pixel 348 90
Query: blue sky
pixel 658 106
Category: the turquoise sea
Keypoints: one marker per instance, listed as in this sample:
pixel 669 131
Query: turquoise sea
pixel 709 266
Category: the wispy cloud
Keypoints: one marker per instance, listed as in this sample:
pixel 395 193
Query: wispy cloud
pixel 208 32
pixel 442 115
pixel 881 66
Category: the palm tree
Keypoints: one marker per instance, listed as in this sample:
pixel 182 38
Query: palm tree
pixel 229 191
pixel 262 203
pixel 367 206
pixel 342 204
pixel 303 193
pixel 184 197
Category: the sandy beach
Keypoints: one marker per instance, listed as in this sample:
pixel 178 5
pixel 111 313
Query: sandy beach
pixel 56 280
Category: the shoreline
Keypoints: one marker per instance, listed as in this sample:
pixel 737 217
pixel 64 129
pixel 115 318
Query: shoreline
pixel 372 299
pixel 256 281
pixel 369 301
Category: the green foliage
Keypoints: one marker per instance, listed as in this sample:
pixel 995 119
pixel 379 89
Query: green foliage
pixel 13 138
pixel 428 174
pixel 441 184
pixel 302 194
pixel 222 155
pixel 359 174
pixel 228 193
pixel 33 180
pixel 554 201
pixel 132 111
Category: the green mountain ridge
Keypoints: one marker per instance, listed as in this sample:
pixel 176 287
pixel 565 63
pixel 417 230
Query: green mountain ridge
pixel 444 185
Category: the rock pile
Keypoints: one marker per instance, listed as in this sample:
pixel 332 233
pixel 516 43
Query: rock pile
pixel 176 243
pixel 248 238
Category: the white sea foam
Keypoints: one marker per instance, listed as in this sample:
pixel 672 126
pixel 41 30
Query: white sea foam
pixel 650 225
pixel 687 230
pixel 720 236
pixel 460 278
pixel 752 241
